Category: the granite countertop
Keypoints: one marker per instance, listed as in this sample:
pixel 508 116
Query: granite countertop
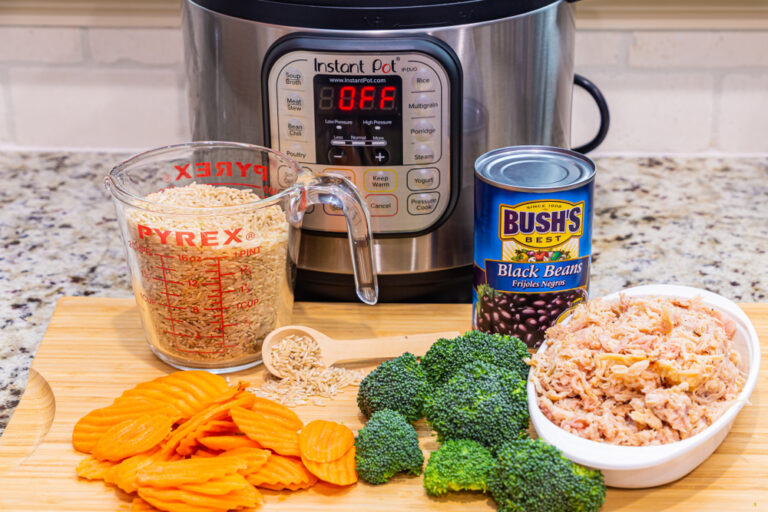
pixel 696 221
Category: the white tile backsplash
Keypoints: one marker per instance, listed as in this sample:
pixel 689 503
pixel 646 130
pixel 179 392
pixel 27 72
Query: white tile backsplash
pixel 650 112
pixel 5 121
pixel 692 49
pixel 599 48
pixel 93 108
pixel 144 46
pixel 743 112
pixel 44 45
pixel 669 91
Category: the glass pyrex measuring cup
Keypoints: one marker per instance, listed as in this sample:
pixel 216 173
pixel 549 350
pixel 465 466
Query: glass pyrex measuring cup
pixel 210 280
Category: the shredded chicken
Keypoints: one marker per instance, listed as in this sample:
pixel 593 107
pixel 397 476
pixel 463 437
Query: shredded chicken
pixel 638 370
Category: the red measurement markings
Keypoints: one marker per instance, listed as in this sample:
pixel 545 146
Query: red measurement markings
pixel 198 351
pixel 217 298
pixel 166 281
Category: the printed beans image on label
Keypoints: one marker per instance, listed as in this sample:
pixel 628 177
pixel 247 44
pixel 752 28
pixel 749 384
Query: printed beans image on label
pixel 533 239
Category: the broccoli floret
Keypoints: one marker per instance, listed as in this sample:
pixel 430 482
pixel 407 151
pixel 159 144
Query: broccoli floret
pixel 386 445
pixel 458 465
pixel 533 476
pixel 399 384
pixel 447 356
pixel 482 402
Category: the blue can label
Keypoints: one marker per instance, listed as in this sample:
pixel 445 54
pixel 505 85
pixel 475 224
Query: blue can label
pixel 532 254
pixel 526 277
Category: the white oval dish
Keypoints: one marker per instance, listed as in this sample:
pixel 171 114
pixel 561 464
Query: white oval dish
pixel 649 466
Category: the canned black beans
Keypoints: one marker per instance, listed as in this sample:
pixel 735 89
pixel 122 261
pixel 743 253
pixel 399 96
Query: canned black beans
pixel 533 238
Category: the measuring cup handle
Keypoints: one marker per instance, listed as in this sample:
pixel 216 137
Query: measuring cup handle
pixel 339 192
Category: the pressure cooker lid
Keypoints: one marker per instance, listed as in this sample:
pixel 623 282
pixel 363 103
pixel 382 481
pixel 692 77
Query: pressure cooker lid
pixel 372 14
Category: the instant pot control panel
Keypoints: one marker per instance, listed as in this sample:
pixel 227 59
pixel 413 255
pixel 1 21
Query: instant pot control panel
pixel 383 113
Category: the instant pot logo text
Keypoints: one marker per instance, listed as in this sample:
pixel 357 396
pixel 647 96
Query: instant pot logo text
pixel 336 66
pixel 541 224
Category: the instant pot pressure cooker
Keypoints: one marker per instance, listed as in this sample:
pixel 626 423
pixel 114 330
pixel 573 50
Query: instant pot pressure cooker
pixel 398 96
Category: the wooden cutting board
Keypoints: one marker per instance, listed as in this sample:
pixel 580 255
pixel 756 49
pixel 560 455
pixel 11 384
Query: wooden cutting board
pixel 94 349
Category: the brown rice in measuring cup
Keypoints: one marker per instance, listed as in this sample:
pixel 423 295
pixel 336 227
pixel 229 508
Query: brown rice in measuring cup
pixel 211 287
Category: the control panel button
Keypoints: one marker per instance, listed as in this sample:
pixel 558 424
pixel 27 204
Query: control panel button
pixel 423 130
pixel 296 151
pixel 293 78
pixel 423 179
pixel 423 80
pixel 380 180
pixel 382 205
pixel 295 129
pixel 423 154
pixel 423 105
pixel 423 204
pixel 294 103
pixel 332 210
pixel 380 156
pixel 286 176
pixel 339 155
pixel 347 173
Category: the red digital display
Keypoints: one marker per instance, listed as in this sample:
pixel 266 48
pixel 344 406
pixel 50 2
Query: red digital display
pixel 358 119
pixel 352 98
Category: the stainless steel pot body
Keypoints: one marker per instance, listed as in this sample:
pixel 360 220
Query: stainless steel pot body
pixel 517 89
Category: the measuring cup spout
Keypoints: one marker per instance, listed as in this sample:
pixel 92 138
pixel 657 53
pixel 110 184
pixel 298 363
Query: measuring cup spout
pixel 339 192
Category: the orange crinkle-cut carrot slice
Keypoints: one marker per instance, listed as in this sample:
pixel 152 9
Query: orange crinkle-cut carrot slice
pixel 176 507
pixel 133 437
pixel 221 427
pixel 190 391
pixel 188 471
pixel 93 469
pixel 234 391
pixel 254 457
pixel 228 442
pixel 216 411
pixel 266 432
pixel 218 486
pixel 339 472
pixel 190 443
pixel 156 504
pixel 179 395
pixel 124 474
pixel 139 505
pixel 282 473
pixel 89 429
pixel 325 441
pixel 204 453
pixel 278 413
pixel 181 500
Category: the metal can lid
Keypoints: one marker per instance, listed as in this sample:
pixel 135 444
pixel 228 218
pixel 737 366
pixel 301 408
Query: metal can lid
pixel 535 168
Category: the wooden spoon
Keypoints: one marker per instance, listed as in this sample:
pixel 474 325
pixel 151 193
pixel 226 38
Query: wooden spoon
pixel 334 351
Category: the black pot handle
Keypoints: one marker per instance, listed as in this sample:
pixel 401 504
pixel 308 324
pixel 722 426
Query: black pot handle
pixel 602 105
